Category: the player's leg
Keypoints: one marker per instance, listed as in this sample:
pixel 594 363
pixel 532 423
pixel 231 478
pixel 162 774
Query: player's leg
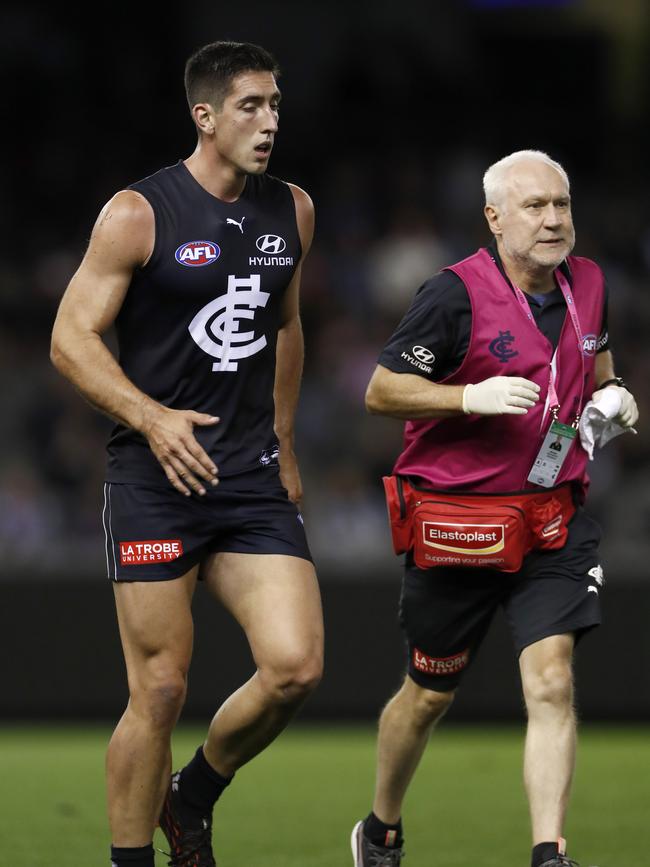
pixel 260 569
pixel 549 754
pixel 156 630
pixel 276 600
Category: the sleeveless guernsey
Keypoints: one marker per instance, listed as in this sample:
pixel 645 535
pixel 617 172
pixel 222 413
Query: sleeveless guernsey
pixel 199 323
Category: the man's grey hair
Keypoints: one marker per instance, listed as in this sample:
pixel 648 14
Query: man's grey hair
pixel 494 178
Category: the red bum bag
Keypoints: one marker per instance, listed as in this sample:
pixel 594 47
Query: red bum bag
pixel 483 530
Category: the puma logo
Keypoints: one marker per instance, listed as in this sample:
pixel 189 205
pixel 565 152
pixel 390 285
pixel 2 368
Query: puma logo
pixel 240 225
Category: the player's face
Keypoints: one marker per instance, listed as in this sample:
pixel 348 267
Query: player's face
pixel 534 216
pixel 246 126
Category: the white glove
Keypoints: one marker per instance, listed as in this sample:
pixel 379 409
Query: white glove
pixel 628 414
pixel 500 395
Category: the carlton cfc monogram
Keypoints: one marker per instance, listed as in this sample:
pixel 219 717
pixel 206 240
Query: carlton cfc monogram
pixel 215 328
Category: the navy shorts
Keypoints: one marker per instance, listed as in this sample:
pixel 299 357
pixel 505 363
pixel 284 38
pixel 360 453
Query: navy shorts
pixel 156 533
pixel 445 612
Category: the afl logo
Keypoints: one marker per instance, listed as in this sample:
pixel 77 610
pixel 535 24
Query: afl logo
pixel 589 344
pixel 273 244
pixel 195 254
pixel 423 354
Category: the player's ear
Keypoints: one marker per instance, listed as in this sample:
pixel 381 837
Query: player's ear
pixel 493 217
pixel 203 117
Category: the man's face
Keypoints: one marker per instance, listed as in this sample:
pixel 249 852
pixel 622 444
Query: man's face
pixel 533 217
pixel 247 122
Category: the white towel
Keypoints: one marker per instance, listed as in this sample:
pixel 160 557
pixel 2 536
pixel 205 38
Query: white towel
pixel 597 425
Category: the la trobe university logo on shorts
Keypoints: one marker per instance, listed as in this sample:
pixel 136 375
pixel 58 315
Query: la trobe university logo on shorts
pixel 215 328
pixel 196 254
pixel 150 551
pixel 440 664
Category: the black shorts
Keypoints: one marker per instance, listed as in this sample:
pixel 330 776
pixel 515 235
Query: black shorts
pixel 155 533
pixel 446 612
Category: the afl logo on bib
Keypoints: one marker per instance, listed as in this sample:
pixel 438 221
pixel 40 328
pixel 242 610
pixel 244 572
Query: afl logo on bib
pixel 196 254
pixel 589 344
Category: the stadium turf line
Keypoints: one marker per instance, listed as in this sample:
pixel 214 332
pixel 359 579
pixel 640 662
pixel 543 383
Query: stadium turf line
pixel 295 805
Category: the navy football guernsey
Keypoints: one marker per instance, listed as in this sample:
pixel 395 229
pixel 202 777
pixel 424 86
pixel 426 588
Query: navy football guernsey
pixel 199 323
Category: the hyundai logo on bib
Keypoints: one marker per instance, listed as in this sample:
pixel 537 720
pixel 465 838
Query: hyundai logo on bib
pixel 272 244
pixel 195 254
pixel 589 344
pixel 464 538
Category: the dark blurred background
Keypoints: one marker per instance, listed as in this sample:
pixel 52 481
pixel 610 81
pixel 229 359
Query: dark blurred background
pixel 391 113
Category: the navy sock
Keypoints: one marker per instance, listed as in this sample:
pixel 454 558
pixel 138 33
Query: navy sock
pixel 381 834
pixel 543 852
pixel 200 786
pixel 142 856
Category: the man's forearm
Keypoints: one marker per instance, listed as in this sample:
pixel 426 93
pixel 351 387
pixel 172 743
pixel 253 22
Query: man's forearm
pixel 288 375
pixel 411 397
pixel 94 372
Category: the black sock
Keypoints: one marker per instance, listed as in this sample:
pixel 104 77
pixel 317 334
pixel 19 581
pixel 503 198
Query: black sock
pixel 142 856
pixel 381 834
pixel 543 852
pixel 200 786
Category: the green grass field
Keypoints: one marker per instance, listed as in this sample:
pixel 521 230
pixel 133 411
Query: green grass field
pixel 294 805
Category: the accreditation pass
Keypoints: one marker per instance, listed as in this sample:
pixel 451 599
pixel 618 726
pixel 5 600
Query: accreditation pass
pixel 552 454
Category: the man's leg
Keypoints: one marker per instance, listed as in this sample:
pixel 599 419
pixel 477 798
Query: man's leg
pixel 276 600
pixel 404 728
pixel 549 756
pixel 156 630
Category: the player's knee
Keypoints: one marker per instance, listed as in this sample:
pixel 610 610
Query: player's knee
pixel 293 678
pixel 550 684
pixel 161 697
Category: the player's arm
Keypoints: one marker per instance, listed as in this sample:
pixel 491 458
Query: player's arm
pixel 290 354
pixel 121 241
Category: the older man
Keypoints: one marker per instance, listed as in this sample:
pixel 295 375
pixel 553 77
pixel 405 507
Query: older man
pixel 492 367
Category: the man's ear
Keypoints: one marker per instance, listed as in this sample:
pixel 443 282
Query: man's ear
pixel 493 217
pixel 203 115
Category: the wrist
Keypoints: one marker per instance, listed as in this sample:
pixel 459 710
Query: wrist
pixel 465 407
pixel 615 380
pixel 148 409
pixel 285 436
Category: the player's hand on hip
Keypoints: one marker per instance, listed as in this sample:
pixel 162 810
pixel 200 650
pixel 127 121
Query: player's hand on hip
pixel 628 414
pixel 170 433
pixel 290 474
pixel 500 395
